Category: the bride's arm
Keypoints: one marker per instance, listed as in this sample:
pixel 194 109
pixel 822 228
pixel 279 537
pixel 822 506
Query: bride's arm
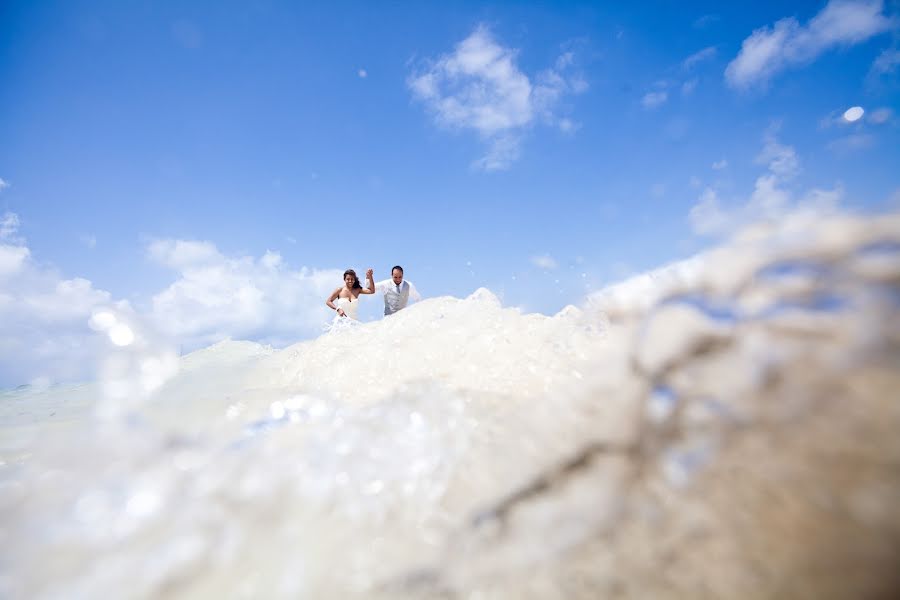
pixel 330 302
pixel 370 283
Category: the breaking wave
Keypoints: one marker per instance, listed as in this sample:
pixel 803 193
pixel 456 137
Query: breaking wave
pixel 723 427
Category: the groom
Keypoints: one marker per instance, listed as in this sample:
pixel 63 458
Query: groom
pixel 396 291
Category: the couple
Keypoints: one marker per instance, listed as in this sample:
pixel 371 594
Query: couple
pixel 345 299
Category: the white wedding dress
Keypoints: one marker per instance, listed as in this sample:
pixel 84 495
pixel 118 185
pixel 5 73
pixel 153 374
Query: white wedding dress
pixel 351 307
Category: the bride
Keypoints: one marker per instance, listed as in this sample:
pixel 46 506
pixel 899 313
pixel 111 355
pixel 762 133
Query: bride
pixel 345 299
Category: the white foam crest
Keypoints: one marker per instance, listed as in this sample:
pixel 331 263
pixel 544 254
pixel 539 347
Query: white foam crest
pixel 464 449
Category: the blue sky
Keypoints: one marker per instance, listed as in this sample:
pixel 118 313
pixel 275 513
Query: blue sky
pixel 540 150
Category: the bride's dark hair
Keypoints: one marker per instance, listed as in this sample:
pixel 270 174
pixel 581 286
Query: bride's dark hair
pixel 356 283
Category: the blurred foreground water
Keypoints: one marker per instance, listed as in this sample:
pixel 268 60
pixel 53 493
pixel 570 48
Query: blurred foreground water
pixel 727 427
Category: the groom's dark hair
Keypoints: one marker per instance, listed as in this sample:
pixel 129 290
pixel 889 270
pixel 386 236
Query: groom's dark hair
pixel 397 268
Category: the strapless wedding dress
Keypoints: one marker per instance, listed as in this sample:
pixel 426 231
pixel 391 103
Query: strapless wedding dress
pixel 351 308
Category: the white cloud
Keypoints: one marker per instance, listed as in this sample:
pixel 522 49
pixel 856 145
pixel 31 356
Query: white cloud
pixel 770 50
pixel 44 317
pixel 707 217
pixel 694 59
pixel 9 226
pixel 362 73
pixel 12 259
pixel 720 164
pixel 181 254
pixel 568 126
pixel 771 198
pixel 502 152
pixel 886 63
pixel 834 118
pixel 658 96
pixel 653 100
pixel 781 160
pixel 215 296
pixel 55 327
pixel 851 143
pixel 479 87
pixel 842 118
pixel 839 118
pixel 13 253
pixel 544 261
pixel 823 200
pixel 3 184
pixel 880 116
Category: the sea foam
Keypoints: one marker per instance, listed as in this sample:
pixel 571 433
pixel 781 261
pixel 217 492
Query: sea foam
pixel 725 427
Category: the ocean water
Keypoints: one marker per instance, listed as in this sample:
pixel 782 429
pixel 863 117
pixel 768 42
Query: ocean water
pixel 722 427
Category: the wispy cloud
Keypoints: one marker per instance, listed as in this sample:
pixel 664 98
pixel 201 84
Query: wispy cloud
pixel 362 73
pixel 659 94
pixel 9 226
pixel 720 164
pixel 705 21
pixel 568 126
pixel 3 184
pixel 858 127
pixel 182 254
pixel 781 160
pixel 772 195
pixel 880 116
pixel 503 150
pixel 544 261
pixel 772 49
pixel 886 62
pixel 696 58
pixel 688 87
pixel 653 100
pixel 479 87
pixel 851 143
pixel 856 117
